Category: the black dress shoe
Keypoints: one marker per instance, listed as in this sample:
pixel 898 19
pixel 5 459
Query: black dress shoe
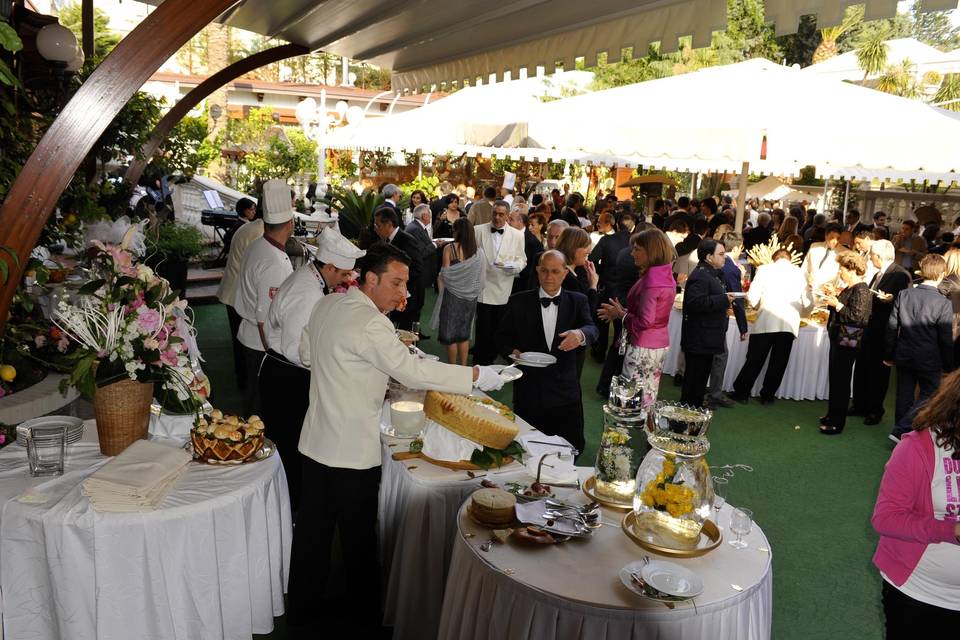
pixel 872 419
pixel 855 412
pixel 767 400
pixel 742 399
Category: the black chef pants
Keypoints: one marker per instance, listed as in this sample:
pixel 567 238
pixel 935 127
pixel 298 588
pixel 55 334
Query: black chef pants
pixel 285 394
pixel 565 421
pixel 344 499
pixel 252 358
pixel 239 365
pixel 695 377
pixel 778 346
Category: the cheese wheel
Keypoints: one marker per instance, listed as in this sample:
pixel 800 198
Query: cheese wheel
pixel 493 506
pixel 468 420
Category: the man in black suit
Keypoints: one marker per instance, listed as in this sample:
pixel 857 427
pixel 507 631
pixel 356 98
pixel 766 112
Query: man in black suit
pixel 920 342
pixel 682 212
pixel 420 229
pixel 625 275
pixel 552 320
pixel 532 247
pixel 386 224
pixel 698 231
pixel 604 257
pixel 760 234
pixel 704 330
pixel 871 378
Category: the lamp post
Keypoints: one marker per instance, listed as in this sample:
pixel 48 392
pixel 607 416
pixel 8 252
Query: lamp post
pixel 314 119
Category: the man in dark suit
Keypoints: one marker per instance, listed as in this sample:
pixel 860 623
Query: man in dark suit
pixel 698 231
pixel 552 320
pixel 760 234
pixel 704 330
pixel 604 257
pixel 625 275
pixel 871 378
pixel 420 229
pixel 682 212
pixel 532 248
pixel 386 224
pixel 920 342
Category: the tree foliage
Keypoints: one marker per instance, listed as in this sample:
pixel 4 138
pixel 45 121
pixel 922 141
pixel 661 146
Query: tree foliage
pixel 104 39
pixel 186 149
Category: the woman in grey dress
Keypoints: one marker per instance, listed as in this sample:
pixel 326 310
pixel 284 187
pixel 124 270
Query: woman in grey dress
pixel 459 283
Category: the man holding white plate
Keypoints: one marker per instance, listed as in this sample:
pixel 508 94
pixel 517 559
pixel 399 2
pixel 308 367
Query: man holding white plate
pixel 543 325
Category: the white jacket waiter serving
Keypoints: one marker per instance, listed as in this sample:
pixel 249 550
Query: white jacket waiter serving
pixel 352 350
pixel 282 375
pixel 264 267
pixel 503 248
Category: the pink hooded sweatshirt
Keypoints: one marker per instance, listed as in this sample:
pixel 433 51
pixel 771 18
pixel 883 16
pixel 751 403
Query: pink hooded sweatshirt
pixel 903 515
pixel 648 308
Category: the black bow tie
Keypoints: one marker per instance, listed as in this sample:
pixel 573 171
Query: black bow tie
pixel 495 230
pixel 546 302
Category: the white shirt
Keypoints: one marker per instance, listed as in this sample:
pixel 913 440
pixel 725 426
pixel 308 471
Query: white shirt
pixel 821 262
pixel 549 315
pixel 934 579
pixel 262 270
pixel 497 238
pixel 352 351
pixel 243 238
pixel 393 234
pixel 780 292
pixel 291 309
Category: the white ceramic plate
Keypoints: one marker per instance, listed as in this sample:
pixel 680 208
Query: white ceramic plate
pixel 73 426
pixel 738 294
pixel 672 579
pixel 508 372
pixel 534 359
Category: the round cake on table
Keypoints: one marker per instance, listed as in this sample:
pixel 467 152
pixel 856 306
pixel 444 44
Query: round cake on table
pixel 226 438
pixel 494 507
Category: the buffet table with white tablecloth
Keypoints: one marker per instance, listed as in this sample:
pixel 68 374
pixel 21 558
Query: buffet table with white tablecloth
pixel 419 502
pixel 806 378
pixel 211 562
pixel 571 591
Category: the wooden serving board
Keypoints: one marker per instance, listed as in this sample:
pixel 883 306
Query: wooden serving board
pixel 462 465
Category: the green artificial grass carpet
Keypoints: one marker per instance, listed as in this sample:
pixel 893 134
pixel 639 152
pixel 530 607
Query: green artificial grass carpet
pixel 812 495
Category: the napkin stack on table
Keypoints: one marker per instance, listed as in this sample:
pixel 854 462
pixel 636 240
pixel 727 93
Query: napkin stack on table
pixel 556 469
pixel 136 480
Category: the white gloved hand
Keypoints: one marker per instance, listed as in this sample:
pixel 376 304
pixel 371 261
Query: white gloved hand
pixel 488 379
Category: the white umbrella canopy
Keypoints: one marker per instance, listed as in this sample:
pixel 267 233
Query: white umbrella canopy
pixel 717 118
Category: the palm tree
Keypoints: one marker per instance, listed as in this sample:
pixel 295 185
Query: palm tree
pixel 899 80
pixel 948 96
pixel 828 45
pixel 872 56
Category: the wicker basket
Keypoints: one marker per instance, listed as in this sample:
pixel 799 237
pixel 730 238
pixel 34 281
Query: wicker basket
pixel 123 414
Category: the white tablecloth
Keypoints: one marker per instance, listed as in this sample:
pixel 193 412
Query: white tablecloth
pixel 807 376
pixel 571 591
pixel 419 503
pixel 212 562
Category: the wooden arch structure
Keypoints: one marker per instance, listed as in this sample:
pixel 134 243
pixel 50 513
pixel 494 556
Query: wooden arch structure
pixel 201 91
pixel 66 143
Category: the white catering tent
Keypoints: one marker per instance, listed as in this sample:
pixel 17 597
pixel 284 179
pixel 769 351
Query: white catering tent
pixel 923 57
pixel 777 189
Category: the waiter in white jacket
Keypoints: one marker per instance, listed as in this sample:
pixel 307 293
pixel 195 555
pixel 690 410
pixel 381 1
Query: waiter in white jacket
pixel 283 375
pixel 352 350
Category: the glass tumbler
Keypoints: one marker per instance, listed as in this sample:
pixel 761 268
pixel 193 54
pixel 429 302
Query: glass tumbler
pixel 46 450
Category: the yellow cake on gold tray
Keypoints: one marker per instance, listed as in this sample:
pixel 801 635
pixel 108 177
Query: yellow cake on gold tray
pixel 468 418
pixel 226 438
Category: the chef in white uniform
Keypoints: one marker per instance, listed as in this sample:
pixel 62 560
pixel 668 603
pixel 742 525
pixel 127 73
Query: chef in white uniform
pixel 284 380
pixel 352 350
pixel 264 267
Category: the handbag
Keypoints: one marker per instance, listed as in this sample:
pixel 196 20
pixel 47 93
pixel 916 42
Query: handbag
pixel 850 336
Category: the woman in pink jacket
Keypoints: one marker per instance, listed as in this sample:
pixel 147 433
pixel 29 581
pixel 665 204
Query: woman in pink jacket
pixel 918 518
pixel 645 337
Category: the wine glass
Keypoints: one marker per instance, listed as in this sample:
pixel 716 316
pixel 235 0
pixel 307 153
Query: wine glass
pixel 719 488
pixel 740 524
pixel 415 328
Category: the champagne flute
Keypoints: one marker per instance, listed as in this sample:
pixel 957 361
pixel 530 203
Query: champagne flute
pixel 719 488
pixel 740 523
pixel 415 328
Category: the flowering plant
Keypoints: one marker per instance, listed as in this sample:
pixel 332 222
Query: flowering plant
pixel 128 324
pixel 668 493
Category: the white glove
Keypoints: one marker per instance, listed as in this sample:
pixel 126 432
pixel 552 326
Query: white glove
pixel 488 379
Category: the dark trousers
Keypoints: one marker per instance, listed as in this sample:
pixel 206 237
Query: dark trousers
pixel 338 498
pixel 252 359
pixel 239 364
pixel 776 345
pixel 695 378
pixel 842 360
pixel 599 348
pixel 871 378
pixel 285 394
pixel 565 421
pixel 909 402
pixel 613 365
pixel 907 618
pixel 485 343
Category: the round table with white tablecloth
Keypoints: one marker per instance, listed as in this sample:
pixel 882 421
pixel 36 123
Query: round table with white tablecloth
pixel 572 591
pixel 808 373
pixel 211 562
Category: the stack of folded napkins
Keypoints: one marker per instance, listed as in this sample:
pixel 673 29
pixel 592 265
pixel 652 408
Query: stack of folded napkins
pixel 556 469
pixel 138 479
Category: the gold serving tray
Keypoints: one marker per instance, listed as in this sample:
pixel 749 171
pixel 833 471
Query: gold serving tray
pixel 590 489
pixel 709 531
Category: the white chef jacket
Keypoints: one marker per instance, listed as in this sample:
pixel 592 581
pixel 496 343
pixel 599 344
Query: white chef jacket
pixel 242 239
pixel 780 292
pixel 508 247
pixel 263 269
pixel 352 351
pixel 290 311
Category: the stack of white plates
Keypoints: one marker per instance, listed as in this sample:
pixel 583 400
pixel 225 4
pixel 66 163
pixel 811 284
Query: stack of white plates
pixel 534 359
pixel 50 424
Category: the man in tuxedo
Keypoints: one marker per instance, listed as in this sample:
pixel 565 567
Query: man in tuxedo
pixel 505 257
pixel 920 342
pixel 551 320
pixel 386 224
pixel 871 378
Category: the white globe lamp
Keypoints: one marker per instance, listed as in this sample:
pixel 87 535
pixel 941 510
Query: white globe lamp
pixel 341 108
pixel 56 43
pixel 355 114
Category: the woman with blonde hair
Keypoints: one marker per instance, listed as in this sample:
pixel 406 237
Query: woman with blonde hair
pixel 950 287
pixel 645 338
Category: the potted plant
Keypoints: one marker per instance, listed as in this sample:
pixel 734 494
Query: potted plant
pixel 171 247
pixel 356 213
